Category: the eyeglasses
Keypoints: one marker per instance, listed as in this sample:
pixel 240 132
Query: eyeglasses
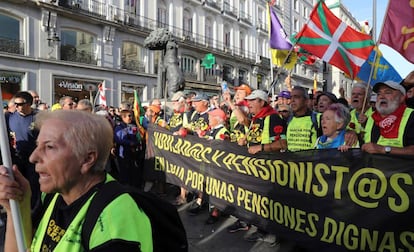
pixel 283 111
pixel 20 103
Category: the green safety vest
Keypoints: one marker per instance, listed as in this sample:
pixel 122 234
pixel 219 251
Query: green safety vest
pixel 121 219
pixel 393 142
pixel 301 133
pixel 223 130
pixel 354 120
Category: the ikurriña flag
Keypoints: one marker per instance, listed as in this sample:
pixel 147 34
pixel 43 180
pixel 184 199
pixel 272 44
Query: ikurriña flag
pixel 382 69
pixel 332 40
pixel 279 43
pixel 398 28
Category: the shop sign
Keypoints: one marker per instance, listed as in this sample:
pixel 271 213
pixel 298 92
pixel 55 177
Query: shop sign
pixel 73 86
pixel 10 79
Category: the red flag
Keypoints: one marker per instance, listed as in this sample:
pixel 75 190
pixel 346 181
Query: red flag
pixel 327 37
pixel 398 28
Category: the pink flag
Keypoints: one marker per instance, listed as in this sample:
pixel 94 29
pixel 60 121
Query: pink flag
pixel 398 29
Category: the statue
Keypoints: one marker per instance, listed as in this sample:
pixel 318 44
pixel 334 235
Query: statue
pixel 162 39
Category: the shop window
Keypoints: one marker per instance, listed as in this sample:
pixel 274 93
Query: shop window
pixel 78 46
pixel 127 92
pixel 77 88
pixel 10 83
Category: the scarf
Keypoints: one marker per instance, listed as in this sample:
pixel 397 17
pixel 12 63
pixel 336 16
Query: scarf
pixel 266 111
pixel 325 143
pixel 390 124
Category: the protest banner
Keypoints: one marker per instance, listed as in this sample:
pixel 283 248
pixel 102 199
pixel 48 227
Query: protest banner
pixel 321 199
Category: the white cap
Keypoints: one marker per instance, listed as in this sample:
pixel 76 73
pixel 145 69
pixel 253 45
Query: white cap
pixel 257 94
pixel 391 84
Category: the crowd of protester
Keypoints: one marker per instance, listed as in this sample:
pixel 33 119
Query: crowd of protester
pixel 376 119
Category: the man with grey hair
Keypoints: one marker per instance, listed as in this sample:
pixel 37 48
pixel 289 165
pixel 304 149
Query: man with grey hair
pixel 389 128
pixel 360 98
pixel 66 102
pixel 85 105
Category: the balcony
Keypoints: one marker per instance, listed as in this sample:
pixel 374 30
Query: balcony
pixel 245 17
pixel 190 75
pixel 133 65
pixel 70 53
pixel 229 10
pixel 11 46
pixel 215 4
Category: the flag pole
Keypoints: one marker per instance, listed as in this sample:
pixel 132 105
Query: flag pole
pixel 14 206
pixel 376 49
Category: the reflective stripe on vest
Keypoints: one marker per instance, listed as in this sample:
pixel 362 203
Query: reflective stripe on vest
pixel 393 142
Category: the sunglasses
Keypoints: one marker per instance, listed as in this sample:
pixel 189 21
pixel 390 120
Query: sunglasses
pixel 283 111
pixel 20 103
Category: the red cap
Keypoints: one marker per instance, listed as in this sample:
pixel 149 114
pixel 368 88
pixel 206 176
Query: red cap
pixel 218 112
pixel 244 87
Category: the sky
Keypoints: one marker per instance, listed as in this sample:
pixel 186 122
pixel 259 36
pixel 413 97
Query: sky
pixel 363 10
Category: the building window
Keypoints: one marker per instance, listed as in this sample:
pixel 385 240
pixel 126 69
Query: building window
pixel 188 67
pixel 227 39
pixel 296 5
pixel 188 24
pixel 209 33
pixel 296 25
pixel 78 46
pixel 127 92
pixel 228 74
pixel 133 57
pixel 242 76
pixel 162 16
pixel 10 83
pixel 133 6
pixel 10 35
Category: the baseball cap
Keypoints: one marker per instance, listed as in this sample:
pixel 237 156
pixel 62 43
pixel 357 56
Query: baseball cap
pixel 244 87
pixel 177 96
pixel 257 94
pixel 285 94
pixel 331 97
pixel 200 97
pixel 391 84
pixel 218 112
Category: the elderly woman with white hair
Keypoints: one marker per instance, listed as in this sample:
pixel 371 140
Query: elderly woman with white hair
pixel 334 122
pixel 70 156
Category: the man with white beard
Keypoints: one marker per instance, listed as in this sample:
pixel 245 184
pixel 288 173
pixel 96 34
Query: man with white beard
pixel 389 129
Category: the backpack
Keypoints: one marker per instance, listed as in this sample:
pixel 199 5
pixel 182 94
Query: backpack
pixel 168 233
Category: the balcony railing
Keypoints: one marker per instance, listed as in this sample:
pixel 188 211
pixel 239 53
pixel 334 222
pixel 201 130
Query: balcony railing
pixel 125 17
pixel 69 53
pixel 11 46
pixel 190 75
pixel 229 10
pixel 133 65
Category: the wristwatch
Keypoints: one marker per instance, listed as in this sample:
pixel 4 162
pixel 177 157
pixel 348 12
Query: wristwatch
pixel 387 149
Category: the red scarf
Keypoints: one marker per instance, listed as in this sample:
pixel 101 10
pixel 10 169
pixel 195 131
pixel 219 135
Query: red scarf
pixel 268 110
pixel 390 124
